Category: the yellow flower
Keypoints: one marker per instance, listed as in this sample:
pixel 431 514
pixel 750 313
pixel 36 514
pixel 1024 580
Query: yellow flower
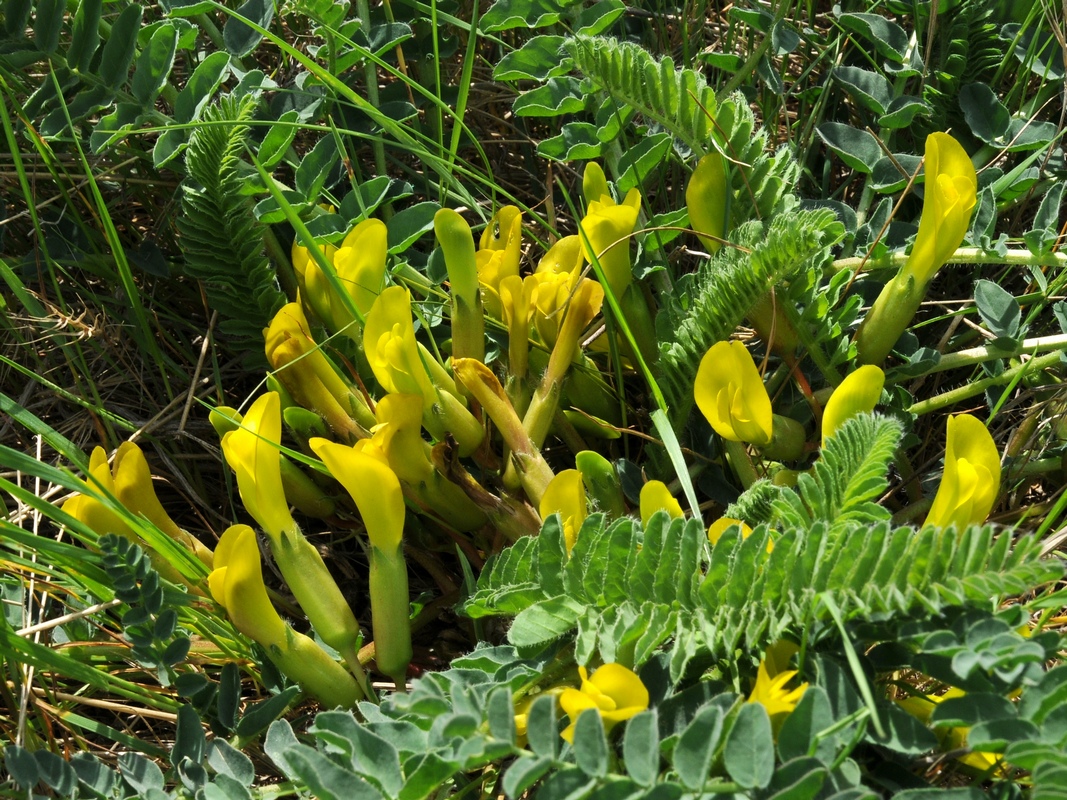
pixel 951 190
pixel 360 262
pixel 393 353
pixel 301 257
pixel 922 706
pixel 360 266
pixel 252 453
pixel 308 375
pixel 564 256
pixel 971 480
pixel 398 436
pixel 731 394
pixel 615 692
pixel 374 487
pixel 655 496
pixel 237 585
pixel 133 487
pixel 397 441
pixel 498 255
pixel 770 689
pixel 91 511
pixel 706 198
pixel 581 307
pixel 858 393
pixel 549 293
pixel 565 496
pixel 403 366
pixel 607 226
pixel 378 496
pixel 516 296
pixel 720 526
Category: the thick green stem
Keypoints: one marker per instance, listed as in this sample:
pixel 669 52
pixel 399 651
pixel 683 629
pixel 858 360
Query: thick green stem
pixel 315 589
pixel 991 352
pixel 741 462
pixel 963 255
pixel 954 396
pixel 888 318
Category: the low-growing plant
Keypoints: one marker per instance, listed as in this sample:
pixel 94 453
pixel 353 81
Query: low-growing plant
pixel 739 552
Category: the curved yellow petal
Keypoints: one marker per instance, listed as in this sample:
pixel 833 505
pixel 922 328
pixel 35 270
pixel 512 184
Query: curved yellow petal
pixel 706 198
pixel 594 183
pixel 565 495
pixel 607 229
pixel 360 262
pixel 655 496
pixel 503 234
pixel 950 194
pixel 252 452
pixel 730 393
pixel 389 342
pixel 565 255
pixel 622 685
pixel 374 487
pixel 858 393
pixel 721 525
pixel 133 488
pixel 614 692
pixel 971 480
pixel 236 583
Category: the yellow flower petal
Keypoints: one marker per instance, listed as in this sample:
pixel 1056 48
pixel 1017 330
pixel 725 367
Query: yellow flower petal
pixel 252 452
pixel 771 692
pixel 564 256
pixel 236 583
pixel 389 342
pixel 614 691
pixel 607 228
pixel 565 495
pixel 730 393
pixel 950 194
pixel 720 526
pixel 360 262
pixel 655 496
pixel 971 478
pixel 133 487
pixel 858 393
pixel 374 487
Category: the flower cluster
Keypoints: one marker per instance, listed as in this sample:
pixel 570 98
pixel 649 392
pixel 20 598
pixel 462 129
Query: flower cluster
pixel 392 419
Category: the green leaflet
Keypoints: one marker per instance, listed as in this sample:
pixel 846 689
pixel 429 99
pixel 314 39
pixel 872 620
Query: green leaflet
pixel 681 102
pixel 848 477
pixel 221 238
pixel 626 592
pixel 712 301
